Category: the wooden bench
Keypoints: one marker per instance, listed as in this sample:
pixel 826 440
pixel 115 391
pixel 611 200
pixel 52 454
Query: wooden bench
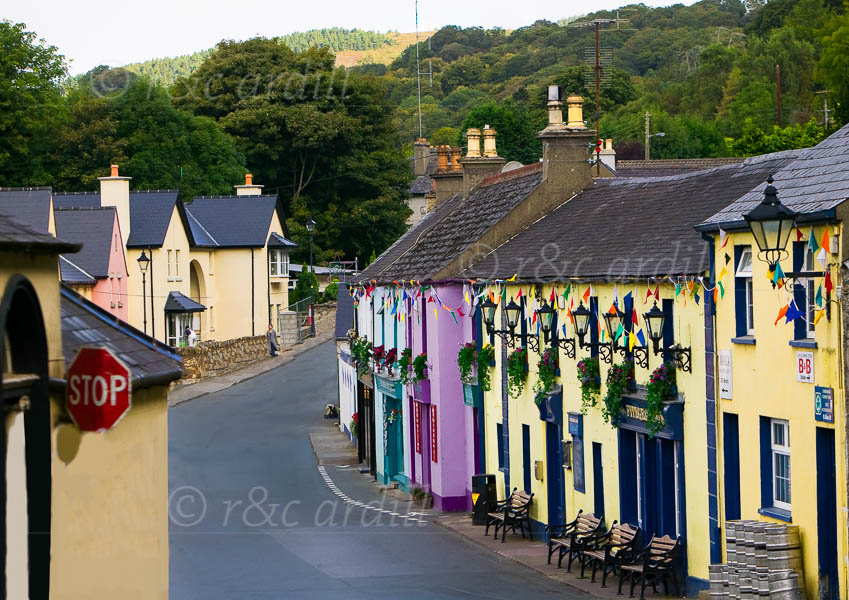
pixel 511 513
pixel 656 562
pixel 570 537
pixel 608 551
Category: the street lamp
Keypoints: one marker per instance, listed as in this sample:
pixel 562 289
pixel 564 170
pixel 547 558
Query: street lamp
pixel 655 320
pixel 582 324
pixel 144 263
pixel 310 224
pixel 771 223
pixel 512 311
pixel 545 314
pixel 614 320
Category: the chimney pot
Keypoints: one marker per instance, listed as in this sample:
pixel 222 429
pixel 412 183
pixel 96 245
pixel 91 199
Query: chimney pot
pixel 249 179
pixel 489 150
pixel 113 170
pixel 442 159
pixel 456 155
pixel 474 136
pixel 575 112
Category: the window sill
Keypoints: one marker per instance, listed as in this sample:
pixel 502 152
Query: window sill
pixel 279 276
pixel 776 513
pixel 746 340
pixel 804 343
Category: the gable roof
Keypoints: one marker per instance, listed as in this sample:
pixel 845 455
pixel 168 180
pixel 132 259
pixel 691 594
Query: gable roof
pixel 421 185
pixel 463 223
pixel 16 235
pixel 91 227
pixel 150 213
pixel 28 205
pixel 235 221
pixel 72 274
pixel 621 229
pixel 813 184
pixel 84 324
pixel 275 240
pixel 666 167
pixel 179 302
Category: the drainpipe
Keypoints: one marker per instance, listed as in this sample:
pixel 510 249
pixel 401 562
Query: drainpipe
pixel 477 331
pixel 152 313
pixel 253 300
pixel 268 281
pixel 720 472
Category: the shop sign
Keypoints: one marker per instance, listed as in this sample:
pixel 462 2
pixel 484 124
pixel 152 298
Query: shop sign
pixel 417 413
pixel 576 424
pixel 391 387
pixel 824 404
pixel 725 374
pixel 805 367
pixel 434 443
pixel 97 395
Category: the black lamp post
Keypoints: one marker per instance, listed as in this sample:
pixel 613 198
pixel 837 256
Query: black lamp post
pixel 144 262
pixel 613 320
pixel 771 223
pixel 582 324
pixel 546 319
pixel 310 225
pixel 512 311
pixel 655 321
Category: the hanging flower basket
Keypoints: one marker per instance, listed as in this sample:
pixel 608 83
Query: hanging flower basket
pixel 662 386
pixel 590 379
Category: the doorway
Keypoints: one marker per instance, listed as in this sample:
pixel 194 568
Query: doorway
pixel 827 515
pixel 598 481
pixel 556 481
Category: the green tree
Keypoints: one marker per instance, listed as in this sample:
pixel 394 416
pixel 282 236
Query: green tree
pixel 306 286
pixel 833 65
pixel 756 141
pixel 444 135
pixel 515 131
pixel 30 104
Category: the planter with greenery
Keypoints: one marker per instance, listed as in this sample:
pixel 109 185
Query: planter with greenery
pixel 590 378
pixel 517 372
pixel 389 359
pixel 420 367
pixel 486 357
pixel 354 426
pixel 405 363
pixel 661 386
pixel 378 353
pixel 546 374
pixel 360 354
pixel 618 378
pixel 467 359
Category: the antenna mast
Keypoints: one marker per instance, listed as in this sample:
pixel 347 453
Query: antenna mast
pixel 418 71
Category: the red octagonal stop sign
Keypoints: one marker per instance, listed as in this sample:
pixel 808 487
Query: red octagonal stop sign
pixel 98 389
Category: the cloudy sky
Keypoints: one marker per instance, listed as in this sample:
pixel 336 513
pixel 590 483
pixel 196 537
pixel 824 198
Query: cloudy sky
pixel 93 32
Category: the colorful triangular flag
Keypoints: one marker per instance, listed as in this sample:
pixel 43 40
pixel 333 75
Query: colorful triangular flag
pixel 723 238
pixel 782 311
pixel 812 241
pixel 828 285
pixel 818 316
pixel 792 313
pixel 818 298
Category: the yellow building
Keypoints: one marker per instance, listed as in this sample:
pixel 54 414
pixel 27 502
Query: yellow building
pixel 619 246
pixel 86 514
pixel 781 415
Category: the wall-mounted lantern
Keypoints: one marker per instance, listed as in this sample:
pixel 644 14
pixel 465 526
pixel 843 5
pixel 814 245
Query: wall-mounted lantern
pixel 582 324
pixel 771 223
pixel 655 320
pixel 545 314
pixel 512 311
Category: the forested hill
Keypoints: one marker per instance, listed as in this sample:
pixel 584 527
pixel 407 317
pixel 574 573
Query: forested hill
pixel 356 44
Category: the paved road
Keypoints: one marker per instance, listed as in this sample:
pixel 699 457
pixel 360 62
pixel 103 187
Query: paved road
pixel 253 517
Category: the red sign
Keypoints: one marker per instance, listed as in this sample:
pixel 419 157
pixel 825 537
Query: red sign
pixel 98 391
pixel 418 433
pixel 434 454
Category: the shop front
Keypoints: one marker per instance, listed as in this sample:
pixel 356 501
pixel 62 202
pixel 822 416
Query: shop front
pixel 366 447
pixel 421 457
pixel 389 416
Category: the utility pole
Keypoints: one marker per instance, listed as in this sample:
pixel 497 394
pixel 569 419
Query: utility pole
pixel 825 110
pixel 648 136
pixel 778 106
pixel 418 70
pixel 598 102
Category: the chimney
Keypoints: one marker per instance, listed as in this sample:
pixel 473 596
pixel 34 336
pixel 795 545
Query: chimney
pixel 608 154
pixel 448 178
pixel 442 159
pixel 250 188
pixel 475 166
pixel 565 147
pixel 421 156
pixel 456 155
pixel 115 191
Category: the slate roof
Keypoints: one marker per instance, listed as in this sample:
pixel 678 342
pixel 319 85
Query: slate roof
pixel 72 274
pixel 235 221
pixel 814 184
pixel 199 233
pixel 408 240
pixel 15 235
pixel 465 222
pixel 91 227
pixel 622 229
pixel 150 213
pixel 669 167
pixel 85 324
pixel 344 311
pixel 178 302
pixel 423 184
pixel 275 240
pixel 28 205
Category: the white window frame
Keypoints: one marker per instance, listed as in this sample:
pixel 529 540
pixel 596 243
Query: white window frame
pixel 278 262
pixel 212 262
pixel 780 448
pixel 179 321
pixel 170 260
pixel 810 293
pixel 177 264
pixel 744 271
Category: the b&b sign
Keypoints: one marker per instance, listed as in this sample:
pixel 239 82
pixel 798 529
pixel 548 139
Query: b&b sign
pixel 97 394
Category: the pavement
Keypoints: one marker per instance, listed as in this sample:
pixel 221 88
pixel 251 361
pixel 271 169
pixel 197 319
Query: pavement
pixel 254 516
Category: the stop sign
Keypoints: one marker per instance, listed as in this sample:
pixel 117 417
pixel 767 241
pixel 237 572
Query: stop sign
pixel 98 391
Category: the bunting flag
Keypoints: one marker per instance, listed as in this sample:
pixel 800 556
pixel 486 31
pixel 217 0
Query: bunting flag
pixel 822 257
pixel 615 296
pixel 819 315
pixel 453 316
pixel 715 295
pixel 792 313
pixel 812 241
pixel 491 297
pixel 629 299
pixel 563 329
pixel 648 295
pixel 514 277
pixel 632 341
pixel 723 272
pixel 782 311
pixel 619 331
pixel 634 319
pixel 641 337
pixel 571 316
pixel 677 290
pixel 696 298
pixel 723 238
pixel 727 259
pixel 519 295
pixel 828 285
pixel 818 298
pixel 567 291
pixel 657 292
pixel 778 275
pixel 435 312
pixel 612 309
pixel 721 289
pixel 587 294
pixel 503 298
pixel 553 296
pixel 824 243
pixel 799 235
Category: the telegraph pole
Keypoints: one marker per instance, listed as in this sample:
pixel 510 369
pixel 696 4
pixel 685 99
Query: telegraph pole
pixel 648 136
pixel 778 106
pixel 418 70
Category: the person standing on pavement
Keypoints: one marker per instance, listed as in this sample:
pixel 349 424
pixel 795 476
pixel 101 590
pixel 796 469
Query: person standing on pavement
pixel 271 336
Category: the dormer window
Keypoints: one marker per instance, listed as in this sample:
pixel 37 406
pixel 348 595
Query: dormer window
pixel 278 262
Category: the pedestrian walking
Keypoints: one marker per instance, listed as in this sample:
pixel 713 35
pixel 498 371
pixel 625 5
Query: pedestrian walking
pixel 271 336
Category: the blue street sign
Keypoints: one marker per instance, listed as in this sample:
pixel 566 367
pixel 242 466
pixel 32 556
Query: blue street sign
pixel 824 404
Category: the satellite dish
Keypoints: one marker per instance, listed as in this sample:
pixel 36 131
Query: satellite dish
pixel 511 166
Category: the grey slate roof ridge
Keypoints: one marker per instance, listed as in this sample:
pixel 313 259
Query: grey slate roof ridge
pixel 235 196
pixel 194 219
pixel 17 235
pixel 89 278
pixel 26 188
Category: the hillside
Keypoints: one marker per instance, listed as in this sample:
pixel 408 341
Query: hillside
pixel 383 55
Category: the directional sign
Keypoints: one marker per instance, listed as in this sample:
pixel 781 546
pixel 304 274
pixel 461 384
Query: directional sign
pixel 98 391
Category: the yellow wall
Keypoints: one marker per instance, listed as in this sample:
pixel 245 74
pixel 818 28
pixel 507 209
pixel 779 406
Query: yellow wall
pixel 764 384
pixel 689 328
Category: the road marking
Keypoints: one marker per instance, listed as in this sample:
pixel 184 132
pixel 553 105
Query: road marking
pixel 411 516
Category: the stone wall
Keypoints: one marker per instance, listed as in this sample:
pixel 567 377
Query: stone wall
pixel 211 358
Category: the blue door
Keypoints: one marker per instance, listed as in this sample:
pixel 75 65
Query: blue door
pixel 526 456
pixel 598 481
pixel 556 483
pixel 827 514
pixel 731 441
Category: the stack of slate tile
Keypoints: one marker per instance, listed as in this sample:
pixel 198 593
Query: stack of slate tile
pixel 764 560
